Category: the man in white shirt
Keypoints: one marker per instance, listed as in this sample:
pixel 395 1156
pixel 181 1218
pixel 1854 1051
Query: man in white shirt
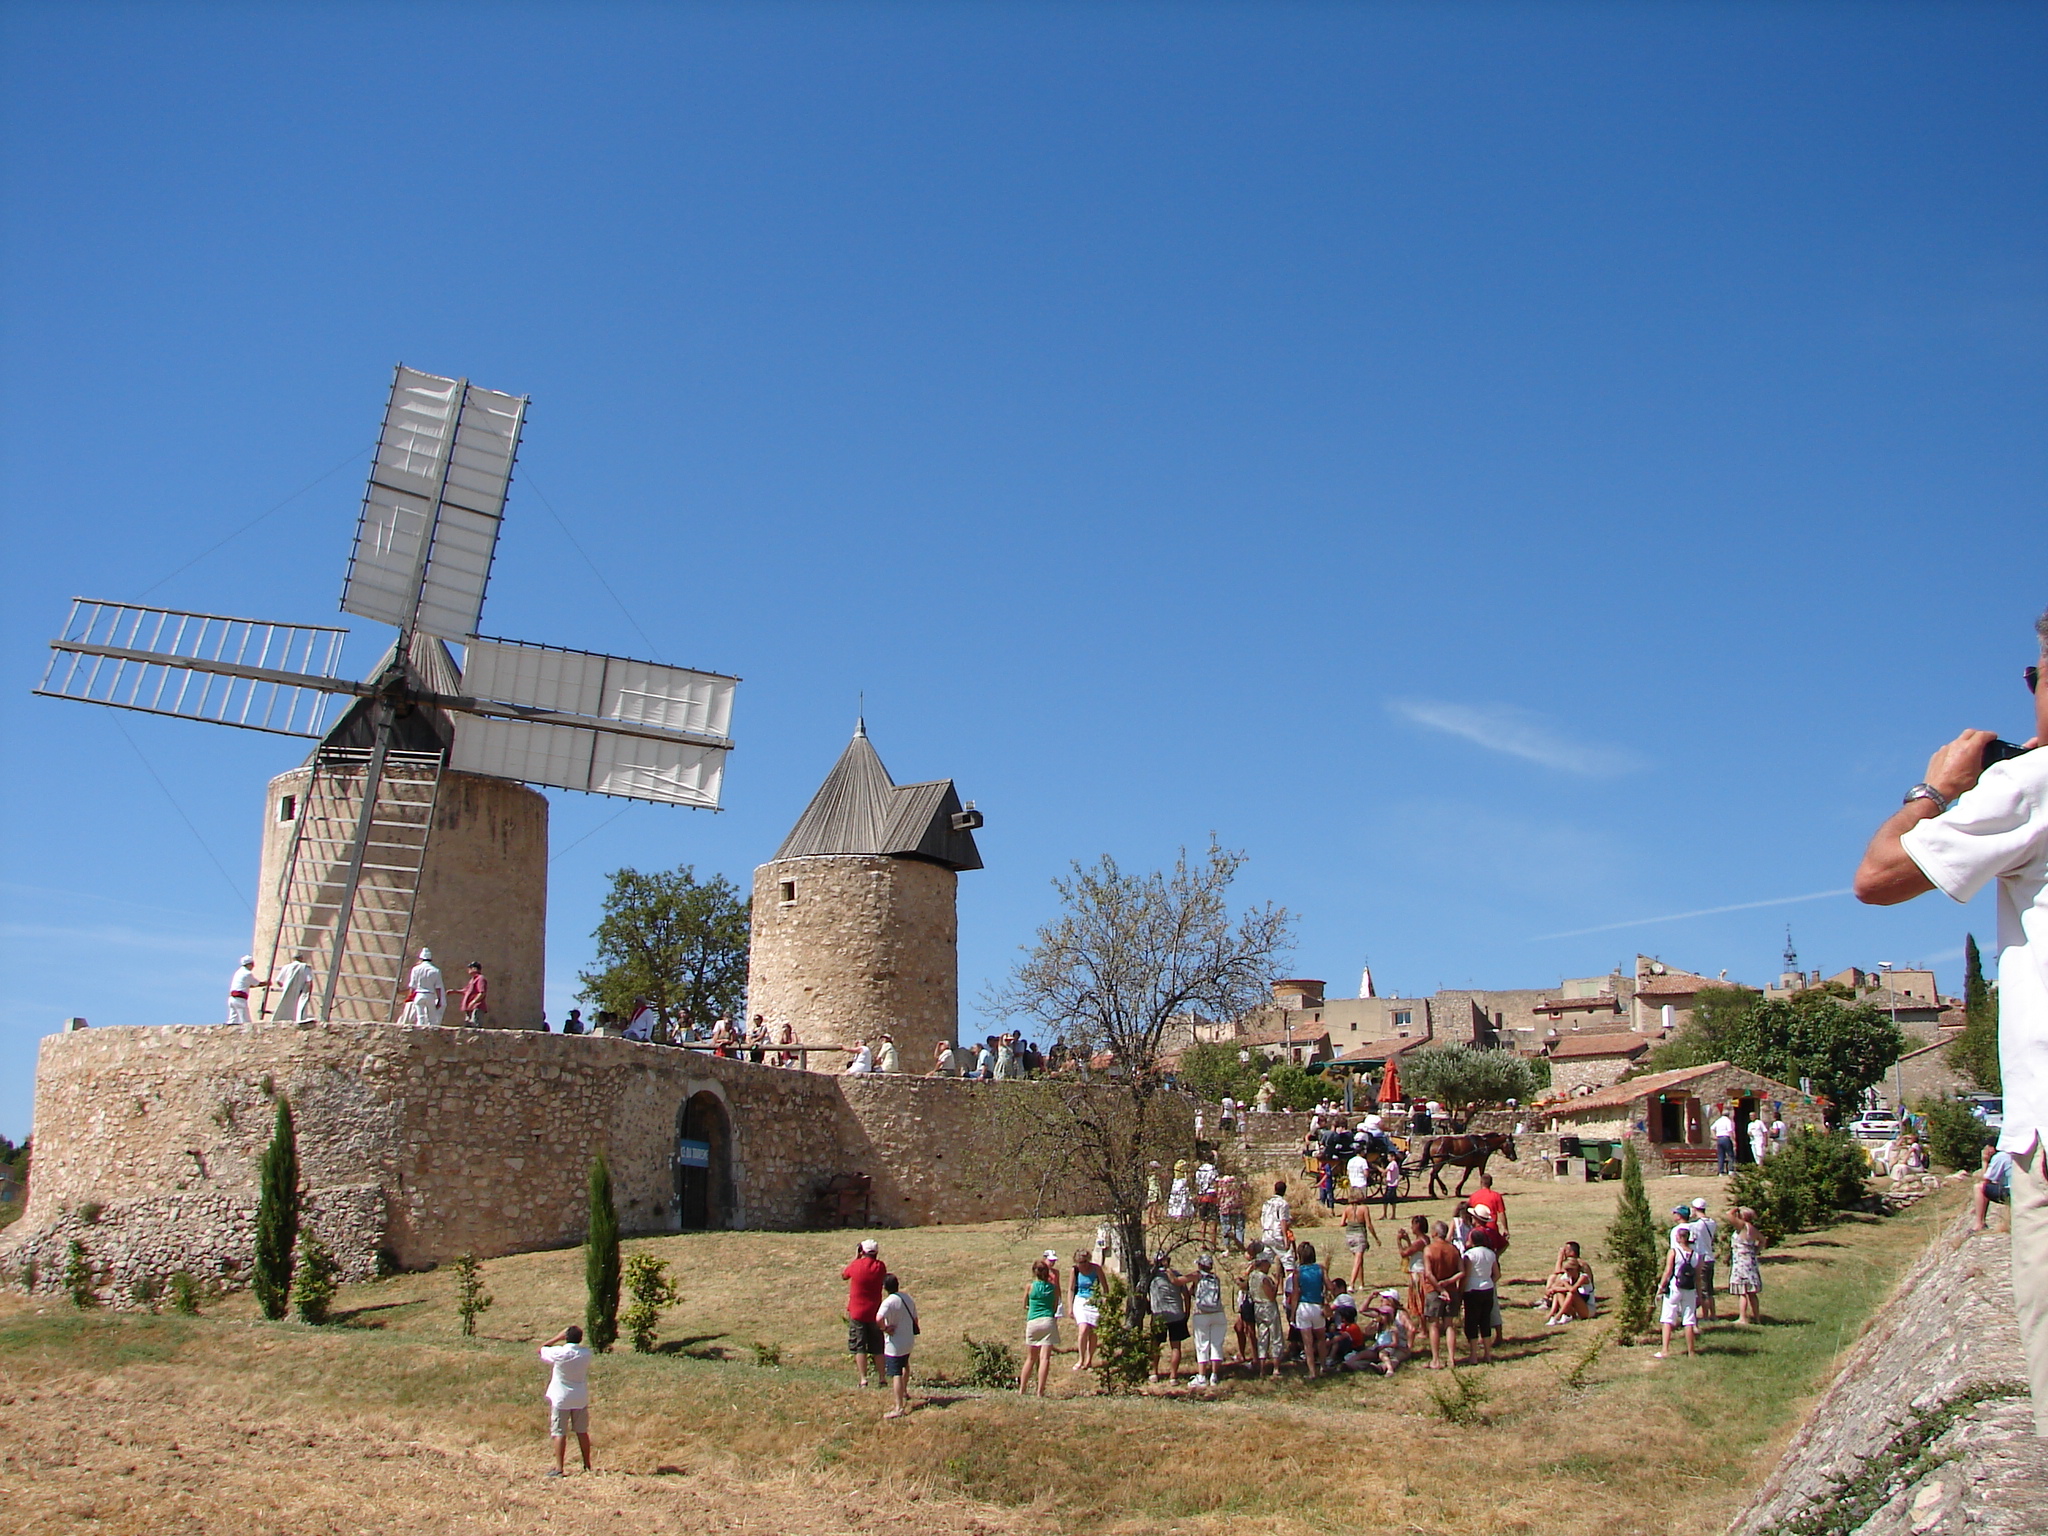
pixel 1704 1232
pixel 897 1318
pixel 1962 827
pixel 428 999
pixel 568 1394
pixel 294 1001
pixel 240 986
pixel 886 1059
pixel 1759 1139
pixel 1724 1144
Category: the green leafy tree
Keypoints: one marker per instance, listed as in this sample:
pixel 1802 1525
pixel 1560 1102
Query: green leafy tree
pixel 472 1301
pixel 601 1261
pixel 1126 956
pixel 651 1289
pixel 1710 1033
pixel 1466 1075
pixel 1210 1069
pixel 277 1216
pixel 1294 1088
pixel 1840 1046
pixel 1955 1137
pixel 1126 1341
pixel 671 941
pixel 1633 1249
pixel 316 1280
pixel 1974 1052
pixel 1817 1175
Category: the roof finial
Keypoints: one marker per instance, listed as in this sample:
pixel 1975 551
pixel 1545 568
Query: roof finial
pixel 860 718
pixel 1791 954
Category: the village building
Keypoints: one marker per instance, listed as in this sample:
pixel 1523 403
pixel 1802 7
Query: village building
pixel 1581 1064
pixel 1669 1115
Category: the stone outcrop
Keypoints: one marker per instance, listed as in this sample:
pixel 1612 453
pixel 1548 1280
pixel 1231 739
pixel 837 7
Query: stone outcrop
pixel 1928 1427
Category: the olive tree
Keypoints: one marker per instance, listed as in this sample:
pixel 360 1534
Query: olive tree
pixel 672 941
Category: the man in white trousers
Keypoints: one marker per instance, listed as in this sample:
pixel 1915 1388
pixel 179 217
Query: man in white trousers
pixel 241 987
pixel 294 1001
pixel 428 999
pixel 1961 828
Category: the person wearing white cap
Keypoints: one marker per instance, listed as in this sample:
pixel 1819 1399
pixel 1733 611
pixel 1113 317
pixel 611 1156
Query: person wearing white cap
pixel 240 985
pixel 426 999
pixel 1704 1232
pixel 863 1279
pixel 294 1000
pixel 1209 1321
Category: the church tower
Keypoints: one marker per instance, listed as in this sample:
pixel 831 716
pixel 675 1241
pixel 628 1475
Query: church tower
pixel 854 924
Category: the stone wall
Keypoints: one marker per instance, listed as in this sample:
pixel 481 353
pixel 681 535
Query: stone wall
pixel 482 895
pixel 425 1143
pixel 1573 1073
pixel 847 946
pixel 1928 1427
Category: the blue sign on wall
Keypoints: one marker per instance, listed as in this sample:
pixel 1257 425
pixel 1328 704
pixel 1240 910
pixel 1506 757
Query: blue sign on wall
pixel 693 1154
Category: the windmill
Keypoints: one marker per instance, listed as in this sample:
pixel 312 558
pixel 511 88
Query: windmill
pixel 533 714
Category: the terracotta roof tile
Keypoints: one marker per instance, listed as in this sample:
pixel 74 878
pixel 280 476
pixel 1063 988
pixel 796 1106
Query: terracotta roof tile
pixel 1607 1043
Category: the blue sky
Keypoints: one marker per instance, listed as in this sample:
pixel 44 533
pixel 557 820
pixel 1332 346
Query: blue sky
pixel 1513 470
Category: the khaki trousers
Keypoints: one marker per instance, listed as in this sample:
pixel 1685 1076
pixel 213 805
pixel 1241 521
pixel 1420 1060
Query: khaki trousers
pixel 2030 1270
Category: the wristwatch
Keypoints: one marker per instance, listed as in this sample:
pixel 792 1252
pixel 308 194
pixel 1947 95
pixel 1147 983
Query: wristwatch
pixel 1929 792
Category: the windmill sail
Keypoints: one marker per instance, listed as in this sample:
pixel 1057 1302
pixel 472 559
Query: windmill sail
pixel 431 512
pixel 614 726
pixel 198 666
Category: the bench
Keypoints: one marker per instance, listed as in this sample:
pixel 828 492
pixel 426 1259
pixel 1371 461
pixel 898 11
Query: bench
pixel 1689 1159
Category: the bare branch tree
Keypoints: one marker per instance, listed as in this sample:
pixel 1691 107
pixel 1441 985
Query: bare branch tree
pixel 1127 955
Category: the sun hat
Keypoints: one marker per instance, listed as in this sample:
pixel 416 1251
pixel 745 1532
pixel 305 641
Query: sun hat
pixel 1051 1257
pixel 869 1245
pixel 1699 1202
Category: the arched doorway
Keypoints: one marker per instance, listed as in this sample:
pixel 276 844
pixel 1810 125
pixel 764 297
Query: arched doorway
pixel 703 1164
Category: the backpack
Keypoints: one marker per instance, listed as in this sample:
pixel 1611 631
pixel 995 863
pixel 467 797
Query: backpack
pixel 1685 1276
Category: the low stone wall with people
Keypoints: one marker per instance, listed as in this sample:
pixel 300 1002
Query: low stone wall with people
pixel 442 1141
pixel 1928 1426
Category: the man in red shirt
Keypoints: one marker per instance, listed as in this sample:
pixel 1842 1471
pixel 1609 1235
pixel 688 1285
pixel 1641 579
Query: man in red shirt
pixel 1488 1198
pixel 863 1279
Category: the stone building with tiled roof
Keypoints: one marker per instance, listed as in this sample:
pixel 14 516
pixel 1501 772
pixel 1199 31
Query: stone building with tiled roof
pixel 1669 1115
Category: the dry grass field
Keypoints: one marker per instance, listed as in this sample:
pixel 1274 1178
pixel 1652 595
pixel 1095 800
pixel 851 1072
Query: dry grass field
pixel 390 1421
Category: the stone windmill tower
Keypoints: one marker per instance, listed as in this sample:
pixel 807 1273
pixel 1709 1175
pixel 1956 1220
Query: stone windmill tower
pixel 855 929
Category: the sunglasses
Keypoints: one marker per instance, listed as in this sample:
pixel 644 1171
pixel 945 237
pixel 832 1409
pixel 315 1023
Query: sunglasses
pixel 2033 677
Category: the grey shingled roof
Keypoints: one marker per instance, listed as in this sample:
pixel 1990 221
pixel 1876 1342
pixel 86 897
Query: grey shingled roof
pixel 860 809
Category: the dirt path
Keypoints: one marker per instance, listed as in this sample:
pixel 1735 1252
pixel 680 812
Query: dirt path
pixel 148 1452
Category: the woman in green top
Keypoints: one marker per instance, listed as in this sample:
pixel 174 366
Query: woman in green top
pixel 1041 1326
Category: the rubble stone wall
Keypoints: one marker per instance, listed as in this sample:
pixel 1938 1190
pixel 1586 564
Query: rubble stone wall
pixel 422 1143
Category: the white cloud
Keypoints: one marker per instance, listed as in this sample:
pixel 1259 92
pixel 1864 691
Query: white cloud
pixel 1518 733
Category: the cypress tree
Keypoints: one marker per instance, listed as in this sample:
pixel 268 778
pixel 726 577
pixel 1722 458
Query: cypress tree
pixel 1976 993
pixel 601 1261
pixel 277 1216
pixel 1632 1249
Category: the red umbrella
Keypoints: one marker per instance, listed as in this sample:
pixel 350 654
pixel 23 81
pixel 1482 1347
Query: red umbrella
pixel 1390 1084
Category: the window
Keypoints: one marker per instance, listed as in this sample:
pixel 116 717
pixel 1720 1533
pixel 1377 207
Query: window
pixel 287 807
pixel 1403 1019
pixel 789 893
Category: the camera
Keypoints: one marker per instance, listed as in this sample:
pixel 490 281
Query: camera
pixel 2001 752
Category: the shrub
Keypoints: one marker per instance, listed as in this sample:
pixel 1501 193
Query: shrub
pixel 1634 1249
pixel 647 1282
pixel 314 1283
pixel 1829 1169
pixel 1777 1207
pixel 144 1292
pixel 184 1294
pixel 90 1212
pixel 277 1216
pixel 78 1276
pixel 471 1299
pixel 990 1364
pixel 1126 1345
pixel 1955 1137
pixel 1295 1089
pixel 1461 1399
pixel 766 1354
pixel 601 1262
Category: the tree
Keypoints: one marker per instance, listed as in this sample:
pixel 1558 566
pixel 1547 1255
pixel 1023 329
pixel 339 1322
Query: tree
pixel 471 1299
pixel 1210 1070
pixel 1126 955
pixel 277 1216
pixel 1955 1137
pixel 601 1261
pixel 672 942
pixel 1464 1075
pixel 1295 1088
pixel 1709 1034
pixel 315 1283
pixel 1974 1052
pixel 1840 1046
pixel 1633 1249
pixel 647 1282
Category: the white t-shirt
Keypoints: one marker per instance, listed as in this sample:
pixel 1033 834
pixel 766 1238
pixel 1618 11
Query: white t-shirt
pixel 898 1318
pixel 569 1386
pixel 1274 1216
pixel 1483 1264
pixel 1358 1171
pixel 1999 831
pixel 1724 1127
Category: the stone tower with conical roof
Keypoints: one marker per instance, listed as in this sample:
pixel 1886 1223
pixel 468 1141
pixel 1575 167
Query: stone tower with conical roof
pixel 855 930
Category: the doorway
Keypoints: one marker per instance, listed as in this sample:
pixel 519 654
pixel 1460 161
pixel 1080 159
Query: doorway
pixel 703 1165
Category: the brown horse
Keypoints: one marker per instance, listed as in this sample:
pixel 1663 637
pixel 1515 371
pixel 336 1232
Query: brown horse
pixel 1467 1152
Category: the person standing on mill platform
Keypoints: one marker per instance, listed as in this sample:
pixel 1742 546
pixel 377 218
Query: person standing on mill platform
pixel 1981 815
pixel 426 998
pixel 475 1001
pixel 240 985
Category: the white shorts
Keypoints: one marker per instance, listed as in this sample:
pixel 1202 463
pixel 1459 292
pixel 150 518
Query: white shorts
pixel 1682 1309
pixel 1086 1313
pixel 1308 1315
